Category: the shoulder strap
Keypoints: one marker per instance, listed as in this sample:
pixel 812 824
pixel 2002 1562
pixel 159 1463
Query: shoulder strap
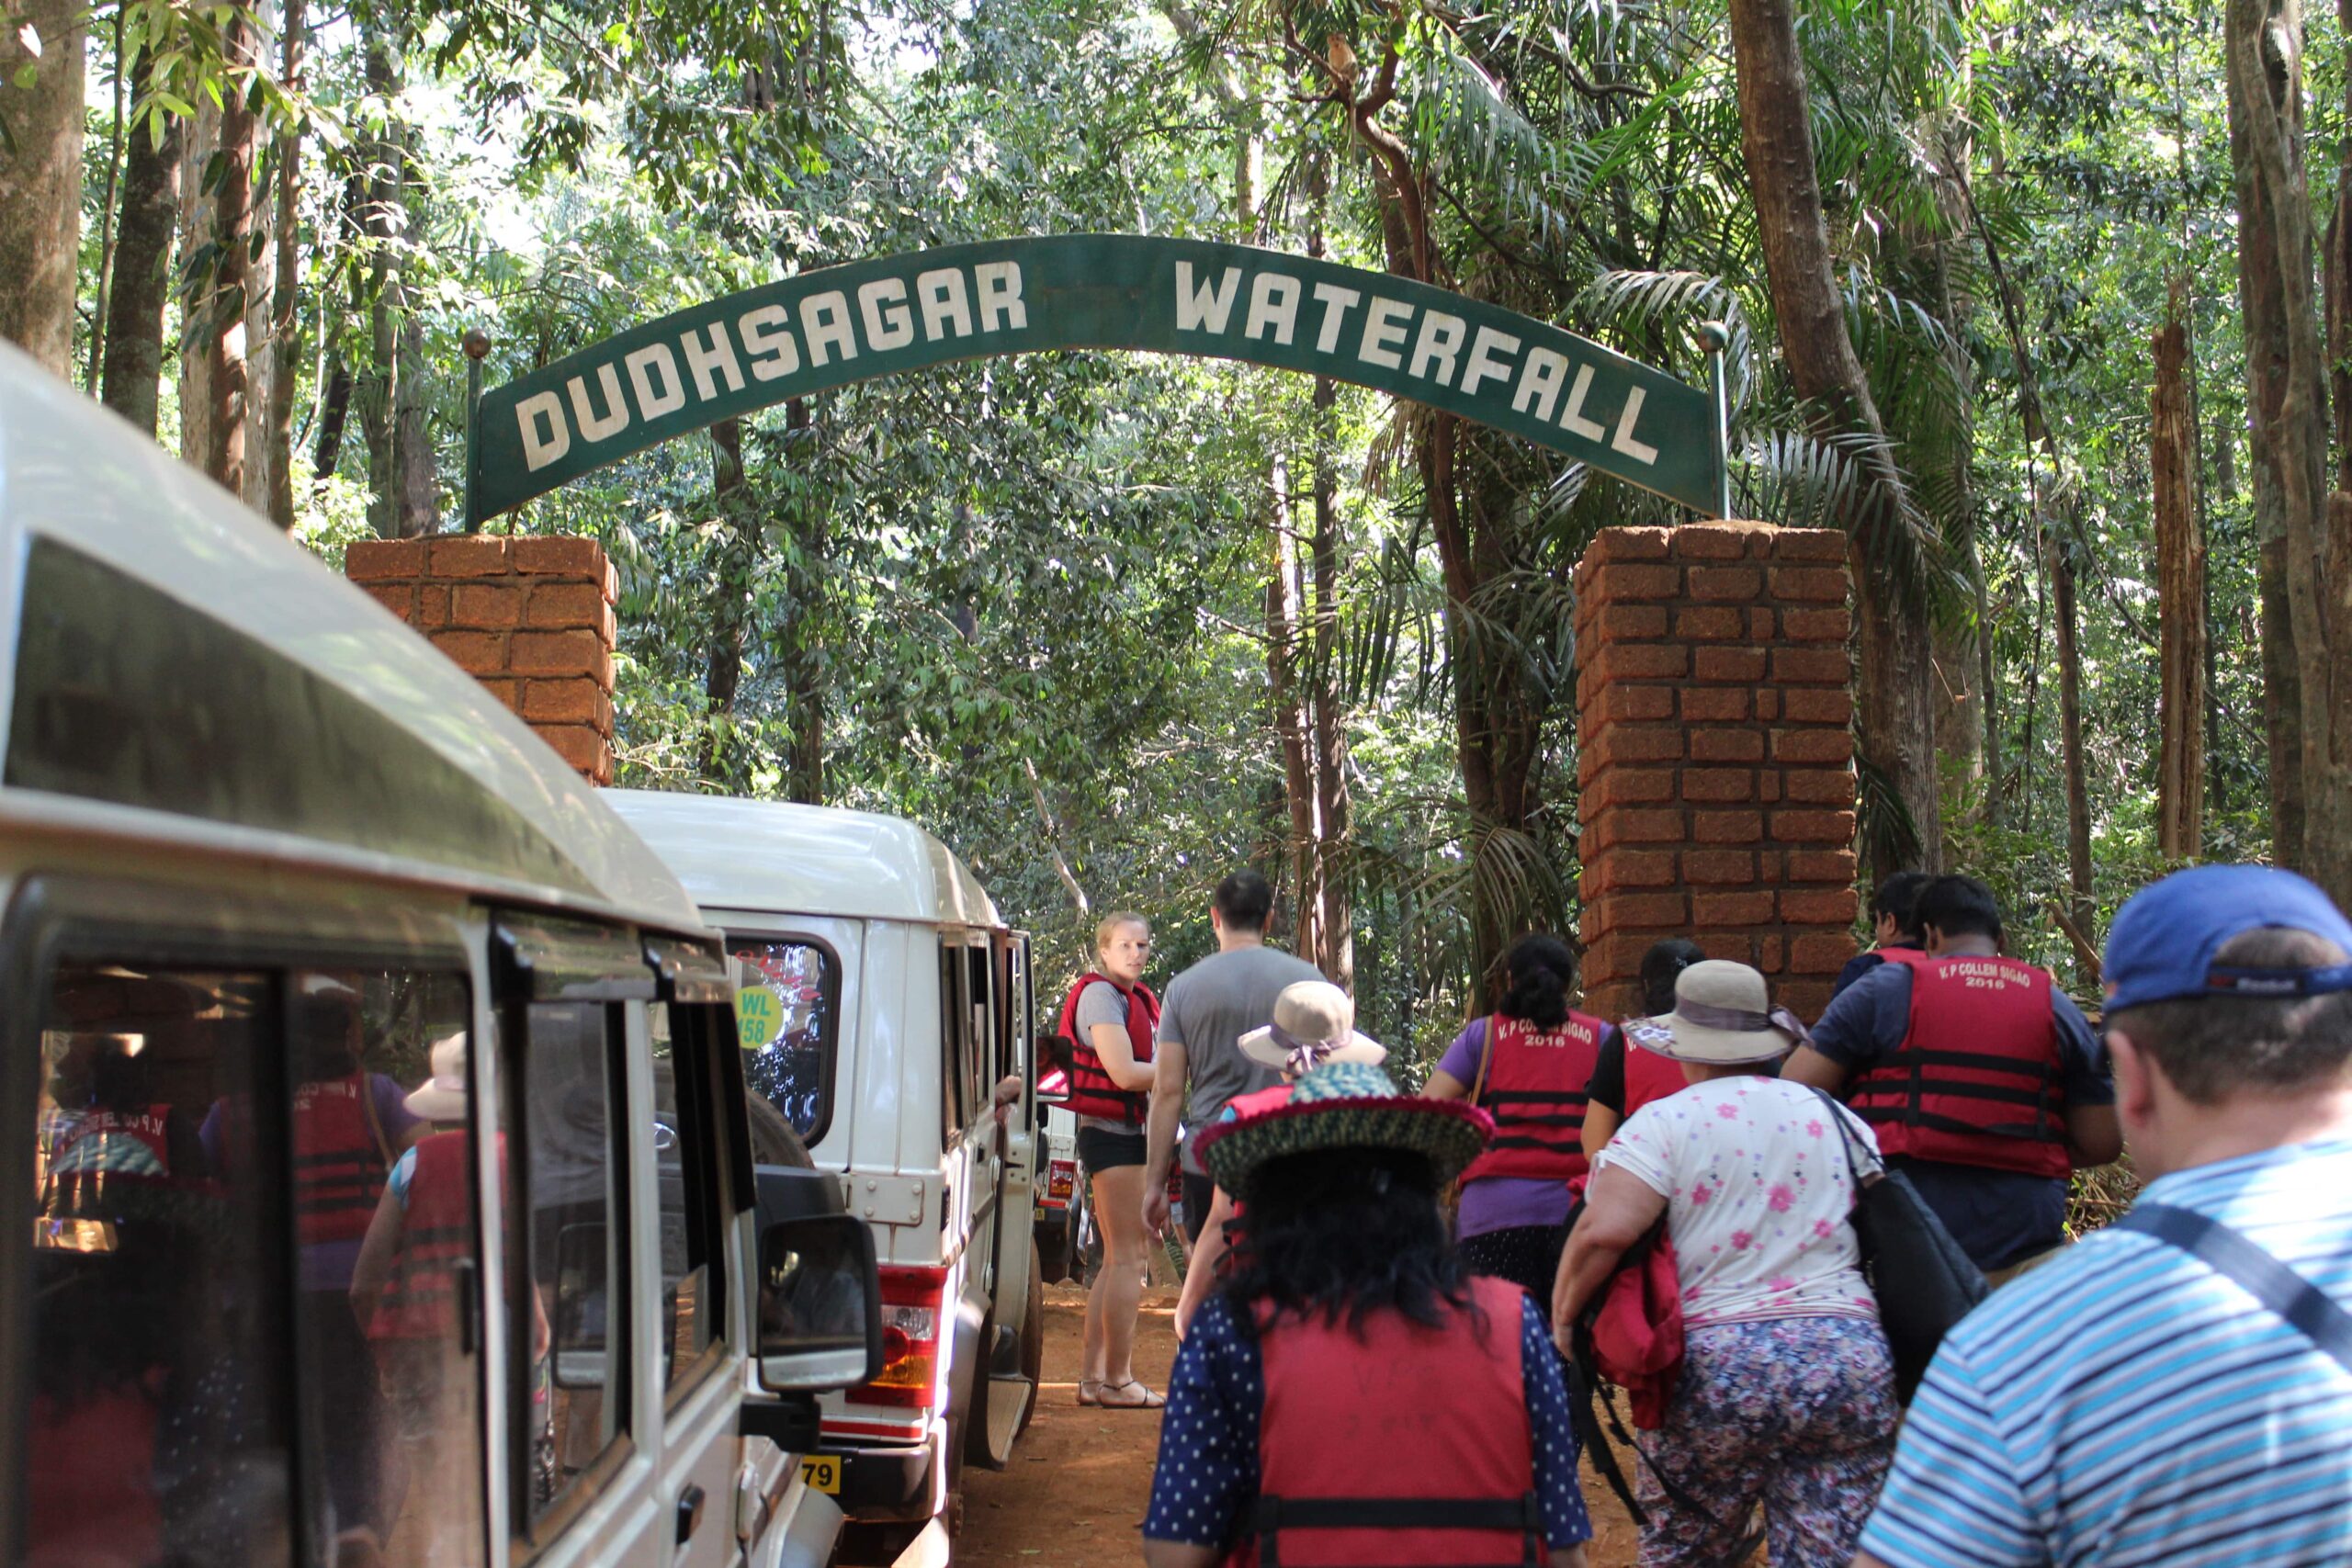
pixel 1486 1059
pixel 375 1121
pixel 1854 1150
pixel 2230 1254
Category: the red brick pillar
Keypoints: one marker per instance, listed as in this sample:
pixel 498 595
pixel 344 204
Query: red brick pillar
pixel 1714 692
pixel 530 618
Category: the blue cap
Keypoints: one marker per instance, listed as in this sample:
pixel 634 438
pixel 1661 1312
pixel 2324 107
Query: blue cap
pixel 2164 940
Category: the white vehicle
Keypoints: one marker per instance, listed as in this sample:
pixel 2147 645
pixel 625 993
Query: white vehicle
pixel 889 999
pixel 385 1187
pixel 1061 1201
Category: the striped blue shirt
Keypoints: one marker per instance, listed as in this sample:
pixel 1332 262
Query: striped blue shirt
pixel 2126 1405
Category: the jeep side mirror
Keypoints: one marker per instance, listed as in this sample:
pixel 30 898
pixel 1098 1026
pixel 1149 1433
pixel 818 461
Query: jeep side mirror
pixel 820 1305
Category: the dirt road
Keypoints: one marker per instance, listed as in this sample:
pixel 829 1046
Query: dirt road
pixel 1080 1479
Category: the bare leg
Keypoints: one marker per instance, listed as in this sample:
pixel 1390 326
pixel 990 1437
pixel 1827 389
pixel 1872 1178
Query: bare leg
pixel 1089 1361
pixel 1118 1289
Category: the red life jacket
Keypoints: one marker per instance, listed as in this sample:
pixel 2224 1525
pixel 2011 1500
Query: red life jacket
pixel 420 1300
pixel 1977 1079
pixel 1649 1076
pixel 1408 1444
pixel 1535 1083
pixel 339 1162
pixel 1091 1092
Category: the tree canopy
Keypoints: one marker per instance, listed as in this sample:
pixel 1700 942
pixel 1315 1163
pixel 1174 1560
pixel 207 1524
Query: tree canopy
pixel 1112 625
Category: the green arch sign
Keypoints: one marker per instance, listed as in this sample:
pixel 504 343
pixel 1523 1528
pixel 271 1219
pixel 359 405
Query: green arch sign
pixel 861 320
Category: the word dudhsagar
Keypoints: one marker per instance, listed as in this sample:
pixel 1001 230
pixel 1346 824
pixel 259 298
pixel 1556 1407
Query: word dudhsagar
pixel 717 360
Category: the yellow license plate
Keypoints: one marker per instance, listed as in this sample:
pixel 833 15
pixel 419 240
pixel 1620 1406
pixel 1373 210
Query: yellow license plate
pixel 823 1472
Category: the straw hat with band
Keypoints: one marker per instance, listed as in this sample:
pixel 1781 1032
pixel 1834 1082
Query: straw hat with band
pixel 1345 1105
pixel 1314 1023
pixel 1722 1016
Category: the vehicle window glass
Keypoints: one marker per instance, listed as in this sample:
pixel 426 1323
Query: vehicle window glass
pixel 384 1212
pixel 574 1245
pixel 686 1165
pixel 784 1014
pixel 185 1118
pixel 954 1022
pixel 158 1410
pixel 981 1009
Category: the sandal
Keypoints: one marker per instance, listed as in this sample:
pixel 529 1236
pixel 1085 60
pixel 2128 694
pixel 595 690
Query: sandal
pixel 1086 1398
pixel 1149 1400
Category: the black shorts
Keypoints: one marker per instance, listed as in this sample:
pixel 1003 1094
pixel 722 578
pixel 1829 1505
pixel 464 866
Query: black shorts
pixel 1199 1193
pixel 1099 1149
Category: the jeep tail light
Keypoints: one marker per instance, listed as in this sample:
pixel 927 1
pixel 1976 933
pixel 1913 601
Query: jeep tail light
pixel 914 1311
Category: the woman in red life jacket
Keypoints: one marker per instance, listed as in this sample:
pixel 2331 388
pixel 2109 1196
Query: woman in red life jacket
pixel 1108 1017
pixel 408 1287
pixel 1352 1395
pixel 1526 1065
pixel 1315 1022
pixel 1624 1081
pixel 1786 1395
pixel 348 1125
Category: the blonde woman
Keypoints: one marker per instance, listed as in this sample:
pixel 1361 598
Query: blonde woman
pixel 1108 1018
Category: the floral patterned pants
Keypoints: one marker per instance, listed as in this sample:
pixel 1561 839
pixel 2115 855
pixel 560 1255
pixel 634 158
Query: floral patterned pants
pixel 1797 1414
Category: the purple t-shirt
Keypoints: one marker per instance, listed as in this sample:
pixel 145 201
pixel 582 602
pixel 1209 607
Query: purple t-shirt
pixel 1499 1202
pixel 328 1265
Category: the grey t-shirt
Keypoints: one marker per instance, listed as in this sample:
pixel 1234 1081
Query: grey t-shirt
pixel 1101 1003
pixel 1207 1010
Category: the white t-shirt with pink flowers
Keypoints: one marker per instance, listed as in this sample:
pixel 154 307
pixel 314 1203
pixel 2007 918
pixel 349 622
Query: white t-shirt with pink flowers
pixel 1757 1190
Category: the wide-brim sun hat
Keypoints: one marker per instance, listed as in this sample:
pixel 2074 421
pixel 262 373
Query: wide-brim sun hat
pixel 443 1097
pixel 1345 1105
pixel 1722 1016
pixel 1314 1023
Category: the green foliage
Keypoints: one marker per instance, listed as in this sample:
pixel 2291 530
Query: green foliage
pixel 1056 568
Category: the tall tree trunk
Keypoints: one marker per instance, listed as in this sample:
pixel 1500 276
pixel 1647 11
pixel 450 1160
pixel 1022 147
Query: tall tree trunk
pixel 419 493
pixel 2058 553
pixel 2180 595
pixel 1334 805
pixel 1894 706
pixel 132 371
pixel 2305 534
pixel 41 177
pixel 115 133
pixel 199 295
pixel 1493 733
pixel 1995 786
pixel 334 410
pixel 390 410
pixel 803 660
pixel 284 311
pixel 1287 693
pixel 2069 733
pixel 223 331
pixel 731 593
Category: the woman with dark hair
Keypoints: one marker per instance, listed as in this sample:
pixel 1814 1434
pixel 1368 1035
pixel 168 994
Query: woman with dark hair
pixel 1527 1064
pixel 1623 1081
pixel 1348 1323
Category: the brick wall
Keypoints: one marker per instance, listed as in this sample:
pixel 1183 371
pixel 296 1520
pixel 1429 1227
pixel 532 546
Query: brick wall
pixel 530 618
pixel 1713 694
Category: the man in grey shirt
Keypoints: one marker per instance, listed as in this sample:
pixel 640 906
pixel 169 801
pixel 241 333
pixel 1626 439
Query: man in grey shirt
pixel 1197 1065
